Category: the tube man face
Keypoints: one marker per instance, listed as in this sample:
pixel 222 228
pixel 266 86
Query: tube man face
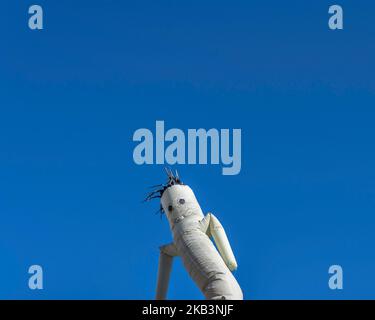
pixel 179 202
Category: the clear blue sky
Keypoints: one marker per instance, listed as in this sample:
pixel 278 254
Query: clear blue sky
pixel 72 95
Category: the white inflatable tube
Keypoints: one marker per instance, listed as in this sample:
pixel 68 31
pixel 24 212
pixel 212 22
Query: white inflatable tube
pixel 203 262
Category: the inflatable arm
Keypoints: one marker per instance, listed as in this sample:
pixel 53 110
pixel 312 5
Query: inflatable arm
pixel 167 253
pixel 222 243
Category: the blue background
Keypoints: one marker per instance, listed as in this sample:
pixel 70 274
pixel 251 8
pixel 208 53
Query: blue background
pixel 72 95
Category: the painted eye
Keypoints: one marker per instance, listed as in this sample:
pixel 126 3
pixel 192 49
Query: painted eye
pixel 170 208
pixel 181 201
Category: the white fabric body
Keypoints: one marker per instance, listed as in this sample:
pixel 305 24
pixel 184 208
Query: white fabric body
pixel 208 269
